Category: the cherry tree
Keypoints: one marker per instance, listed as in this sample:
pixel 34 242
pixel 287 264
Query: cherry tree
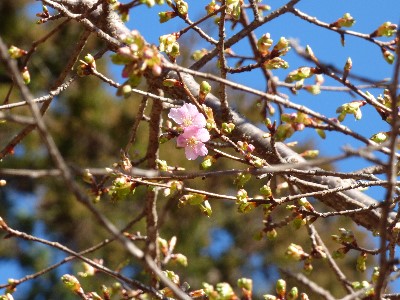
pixel 200 120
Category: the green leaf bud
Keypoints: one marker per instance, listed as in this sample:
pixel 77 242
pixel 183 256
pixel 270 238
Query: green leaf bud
pixel 388 56
pixel 16 52
pixel 266 191
pixel 283 43
pixel 346 21
pixel 380 137
pixel 26 77
pixel 375 275
pixel 72 283
pixel 386 29
pixel 198 54
pixel 165 16
pixel 295 252
pixel 280 287
pixel 241 179
pixel 293 294
pixel 264 43
pixel 181 259
pixel 321 133
pixel 298 222
pixel 227 128
pixel 275 63
pixel 245 283
pixel 195 199
pixel 299 74
pixel 340 253
pixel 206 208
pixel 162 165
pixel 182 7
pixel 205 87
pixel 89 59
pixel 171 275
pixel 283 132
pixel 225 291
pixel 362 262
pixel 207 162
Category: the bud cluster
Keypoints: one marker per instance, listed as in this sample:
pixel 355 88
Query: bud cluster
pixel 137 57
pixel 169 45
pixel 386 29
pixel 282 292
pixel 352 108
pixel 273 58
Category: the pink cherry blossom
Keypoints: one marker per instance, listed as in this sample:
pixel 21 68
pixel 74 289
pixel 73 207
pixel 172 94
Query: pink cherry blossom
pixel 193 139
pixel 187 115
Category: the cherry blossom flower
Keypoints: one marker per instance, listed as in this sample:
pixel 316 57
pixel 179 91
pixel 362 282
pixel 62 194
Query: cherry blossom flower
pixel 193 139
pixel 187 115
